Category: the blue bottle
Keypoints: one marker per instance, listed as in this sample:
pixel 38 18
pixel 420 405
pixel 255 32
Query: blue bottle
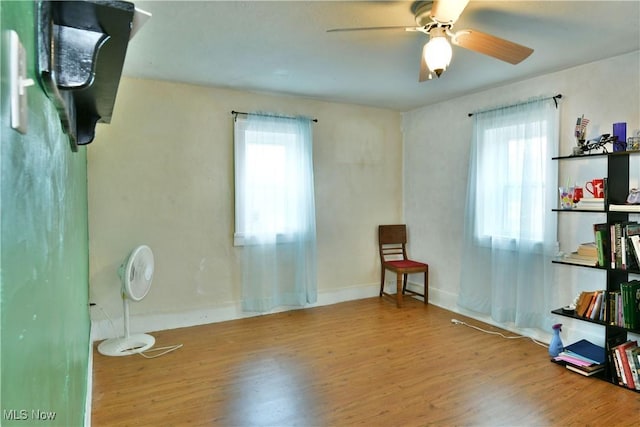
pixel 555 346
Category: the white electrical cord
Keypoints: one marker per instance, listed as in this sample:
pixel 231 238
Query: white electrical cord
pixel 460 322
pixel 168 349
pixel 164 350
pixel 113 327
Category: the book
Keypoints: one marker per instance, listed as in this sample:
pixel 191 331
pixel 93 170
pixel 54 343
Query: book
pixel 612 245
pixel 588 249
pixel 624 208
pixel 613 311
pixel 588 350
pixel 583 303
pixel 617 233
pixel 595 313
pixel 625 370
pixel 621 254
pixel 602 243
pixel 590 207
pixel 614 371
pixel 632 229
pixel 631 360
pixel 591 204
pixel 575 258
pixel 635 244
pixel 574 359
pixel 635 357
pixel 630 293
pixel 587 372
pixel 592 305
pixel 592 200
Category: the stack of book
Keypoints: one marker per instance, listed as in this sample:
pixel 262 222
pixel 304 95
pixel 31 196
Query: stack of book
pixel 624 245
pixel 591 204
pixel 587 254
pixel 626 359
pixel 624 306
pixel 582 357
pixel 591 305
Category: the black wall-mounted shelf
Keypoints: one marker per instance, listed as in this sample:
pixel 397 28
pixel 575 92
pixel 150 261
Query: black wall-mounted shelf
pixel 81 51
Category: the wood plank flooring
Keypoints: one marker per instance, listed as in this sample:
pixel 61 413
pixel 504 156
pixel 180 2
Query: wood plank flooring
pixel 362 362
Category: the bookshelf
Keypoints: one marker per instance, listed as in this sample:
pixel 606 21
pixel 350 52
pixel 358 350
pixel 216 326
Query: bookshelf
pixel 616 191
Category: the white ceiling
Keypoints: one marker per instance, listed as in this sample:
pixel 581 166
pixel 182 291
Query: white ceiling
pixel 283 46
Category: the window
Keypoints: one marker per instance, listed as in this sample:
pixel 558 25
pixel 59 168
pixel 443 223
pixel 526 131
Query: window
pixel 273 177
pixel 510 231
pixel 511 161
pixel 510 169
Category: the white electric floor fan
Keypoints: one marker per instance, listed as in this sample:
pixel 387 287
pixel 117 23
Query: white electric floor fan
pixel 136 273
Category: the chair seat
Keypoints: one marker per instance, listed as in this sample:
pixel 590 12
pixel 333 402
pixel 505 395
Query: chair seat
pixel 405 263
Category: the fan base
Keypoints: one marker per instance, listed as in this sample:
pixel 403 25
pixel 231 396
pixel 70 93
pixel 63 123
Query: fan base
pixel 122 346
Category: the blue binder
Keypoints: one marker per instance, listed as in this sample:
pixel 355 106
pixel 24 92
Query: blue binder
pixel 587 349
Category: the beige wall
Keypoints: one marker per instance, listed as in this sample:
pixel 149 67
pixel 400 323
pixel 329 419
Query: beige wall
pixel 162 174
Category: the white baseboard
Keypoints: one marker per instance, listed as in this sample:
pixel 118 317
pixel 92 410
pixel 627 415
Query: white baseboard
pixel 103 328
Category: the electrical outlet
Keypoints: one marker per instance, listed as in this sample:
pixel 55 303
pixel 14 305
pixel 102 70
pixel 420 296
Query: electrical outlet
pixel 18 81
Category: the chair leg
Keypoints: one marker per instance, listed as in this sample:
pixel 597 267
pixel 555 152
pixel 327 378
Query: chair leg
pixel 382 281
pixel 404 283
pixel 399 290
pixel 426 286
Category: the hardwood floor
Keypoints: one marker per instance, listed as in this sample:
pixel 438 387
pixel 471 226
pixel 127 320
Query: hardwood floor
pixel 362 362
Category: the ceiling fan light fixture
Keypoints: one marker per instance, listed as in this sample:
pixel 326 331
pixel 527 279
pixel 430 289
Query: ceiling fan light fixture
pixel 437 54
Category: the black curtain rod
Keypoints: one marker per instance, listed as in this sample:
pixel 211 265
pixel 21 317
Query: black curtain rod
pixel 555 101
pixel 235 113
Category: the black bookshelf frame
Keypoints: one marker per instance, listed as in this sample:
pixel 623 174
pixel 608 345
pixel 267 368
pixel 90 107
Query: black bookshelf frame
pixel 616 191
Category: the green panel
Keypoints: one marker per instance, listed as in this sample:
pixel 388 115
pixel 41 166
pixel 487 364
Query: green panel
pixel 43 256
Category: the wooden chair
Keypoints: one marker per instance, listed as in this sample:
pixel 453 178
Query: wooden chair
pixel 392 241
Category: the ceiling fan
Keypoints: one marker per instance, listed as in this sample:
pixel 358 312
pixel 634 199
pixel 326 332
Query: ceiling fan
pixel 436 19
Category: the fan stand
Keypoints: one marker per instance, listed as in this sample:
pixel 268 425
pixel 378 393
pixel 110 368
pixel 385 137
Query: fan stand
pixel 129 344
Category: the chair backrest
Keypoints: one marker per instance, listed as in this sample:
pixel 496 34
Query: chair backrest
pixel 392 240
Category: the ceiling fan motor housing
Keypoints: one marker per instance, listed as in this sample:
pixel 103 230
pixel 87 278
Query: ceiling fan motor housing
pixel 422 12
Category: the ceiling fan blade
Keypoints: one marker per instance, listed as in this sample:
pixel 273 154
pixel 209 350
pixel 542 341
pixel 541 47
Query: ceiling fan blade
pixel 403 28
pixel 493 46
pixel 447 11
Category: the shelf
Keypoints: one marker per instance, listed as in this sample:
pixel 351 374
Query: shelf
pixel 579 210
pixel 631 209
pixel 597 267
pixel 81 52
pixel 558 261
pixel 560 312
pixel 602 155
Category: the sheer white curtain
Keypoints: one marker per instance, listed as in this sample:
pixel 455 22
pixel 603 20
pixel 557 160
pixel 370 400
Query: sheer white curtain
pixel 275 211
pixel 510 230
